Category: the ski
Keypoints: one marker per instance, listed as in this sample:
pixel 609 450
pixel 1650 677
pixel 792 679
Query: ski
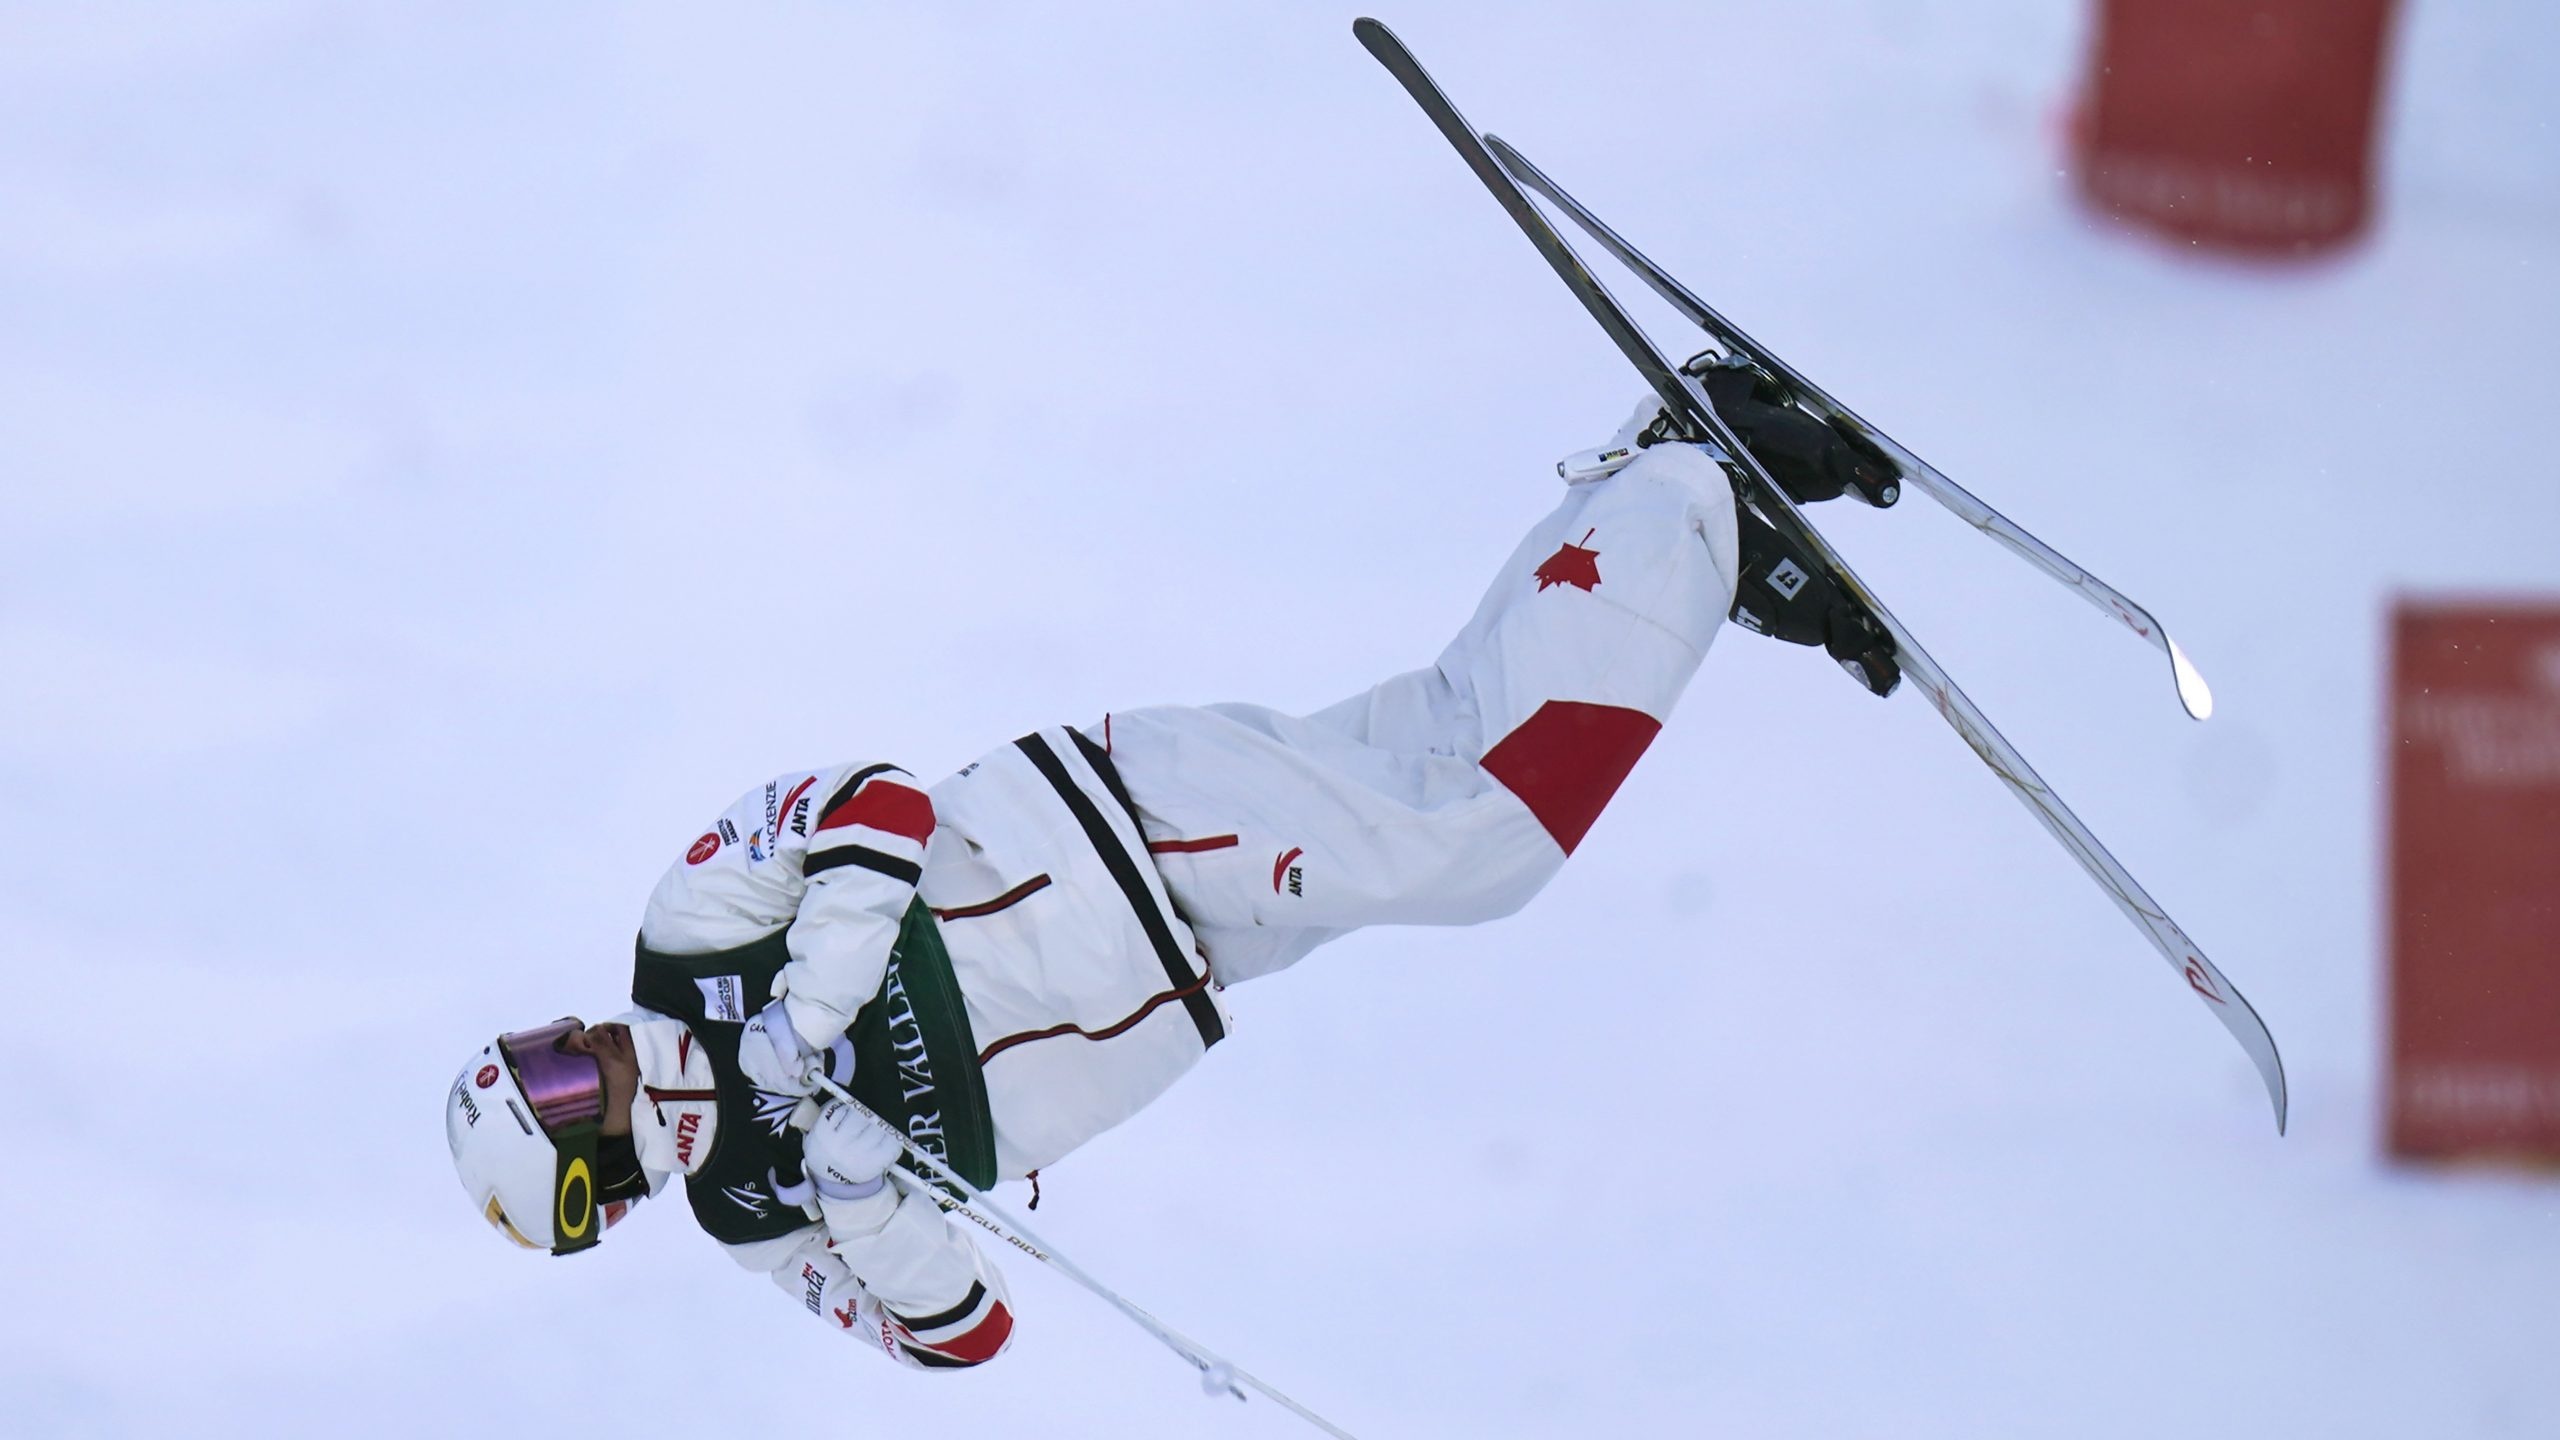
pixel 1686 401
pixel 2193 693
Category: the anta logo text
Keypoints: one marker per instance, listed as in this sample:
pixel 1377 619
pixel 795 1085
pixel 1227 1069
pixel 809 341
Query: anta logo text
pixel 1287 874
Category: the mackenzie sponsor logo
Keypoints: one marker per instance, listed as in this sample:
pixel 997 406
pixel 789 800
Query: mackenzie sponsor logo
pixel 778 808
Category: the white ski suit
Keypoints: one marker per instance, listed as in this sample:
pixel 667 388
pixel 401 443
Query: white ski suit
pixel 1097 888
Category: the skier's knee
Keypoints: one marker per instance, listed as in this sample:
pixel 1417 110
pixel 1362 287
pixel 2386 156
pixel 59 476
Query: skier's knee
pixel 1566 761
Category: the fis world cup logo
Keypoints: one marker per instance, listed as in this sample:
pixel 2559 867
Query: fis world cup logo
pixel 775 1111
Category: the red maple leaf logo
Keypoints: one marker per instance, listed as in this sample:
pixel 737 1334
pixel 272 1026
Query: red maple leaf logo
pixel 1572 565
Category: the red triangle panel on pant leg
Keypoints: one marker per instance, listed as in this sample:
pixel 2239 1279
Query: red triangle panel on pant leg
pixel 1567 760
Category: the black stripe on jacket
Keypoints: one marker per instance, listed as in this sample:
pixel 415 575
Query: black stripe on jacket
pixel 1124 869
pixel 968 1306
pixel 845 791
pixel 822 861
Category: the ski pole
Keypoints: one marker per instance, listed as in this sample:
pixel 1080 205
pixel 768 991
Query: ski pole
pixel 1218 1375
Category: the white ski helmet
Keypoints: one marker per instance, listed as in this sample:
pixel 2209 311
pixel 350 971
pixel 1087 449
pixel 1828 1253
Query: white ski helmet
pixel 523 1120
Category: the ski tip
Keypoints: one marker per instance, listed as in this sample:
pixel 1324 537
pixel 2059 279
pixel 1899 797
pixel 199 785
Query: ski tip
pixel 2270 1062
pixel 2192 691
pixel 1381 43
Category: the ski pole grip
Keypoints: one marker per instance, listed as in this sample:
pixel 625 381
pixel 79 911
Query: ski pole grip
pixel 828 1084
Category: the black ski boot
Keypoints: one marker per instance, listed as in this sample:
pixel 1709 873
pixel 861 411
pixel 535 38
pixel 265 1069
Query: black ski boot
pixel 1807 458
pixel 1784 592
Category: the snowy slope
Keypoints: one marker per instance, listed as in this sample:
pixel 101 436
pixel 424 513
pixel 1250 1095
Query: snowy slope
pixel 425 434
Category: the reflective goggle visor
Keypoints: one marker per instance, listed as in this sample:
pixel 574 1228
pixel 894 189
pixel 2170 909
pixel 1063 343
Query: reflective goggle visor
pixel 562 1088
pixel 567 1095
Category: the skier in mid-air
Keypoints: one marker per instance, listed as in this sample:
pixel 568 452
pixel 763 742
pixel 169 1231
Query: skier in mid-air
pixel 1010 960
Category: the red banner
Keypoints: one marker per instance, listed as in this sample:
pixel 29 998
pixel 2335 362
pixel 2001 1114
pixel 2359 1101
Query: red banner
pixel 2244 127
pixel 2475 881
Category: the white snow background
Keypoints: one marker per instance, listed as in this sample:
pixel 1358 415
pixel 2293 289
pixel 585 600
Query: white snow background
pixel 448 451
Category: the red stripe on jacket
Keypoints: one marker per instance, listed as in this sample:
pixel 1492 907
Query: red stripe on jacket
pixel 981 1342
pixel 887 806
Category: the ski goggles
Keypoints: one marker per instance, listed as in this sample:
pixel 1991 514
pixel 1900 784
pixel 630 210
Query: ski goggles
pixel 566 1092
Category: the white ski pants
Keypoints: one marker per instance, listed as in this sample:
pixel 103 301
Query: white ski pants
pixel 1451 794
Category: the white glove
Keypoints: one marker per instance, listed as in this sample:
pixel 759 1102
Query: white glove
pixel 847 1153
pixel 776 1059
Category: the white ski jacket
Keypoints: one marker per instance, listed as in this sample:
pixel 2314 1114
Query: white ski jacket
pixel 1085 994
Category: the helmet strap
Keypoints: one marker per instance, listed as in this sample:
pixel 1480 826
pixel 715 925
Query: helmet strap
pixel 577 1207
pixel 618 1172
